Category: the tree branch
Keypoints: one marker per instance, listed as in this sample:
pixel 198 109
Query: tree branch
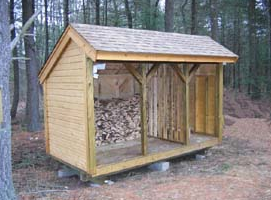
pixel 25 27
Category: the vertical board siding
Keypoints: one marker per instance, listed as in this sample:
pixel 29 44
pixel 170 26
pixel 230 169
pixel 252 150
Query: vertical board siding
pixel 205 100
pixel 65 108
pixel 165 105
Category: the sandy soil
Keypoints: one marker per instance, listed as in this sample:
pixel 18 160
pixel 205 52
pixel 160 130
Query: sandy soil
pixel 237 169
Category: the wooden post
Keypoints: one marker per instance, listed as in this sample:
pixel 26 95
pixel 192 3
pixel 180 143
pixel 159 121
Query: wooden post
pixel 90 117
pixel 46 130
pixel 219 101
pixel 144 126
pixel 186 106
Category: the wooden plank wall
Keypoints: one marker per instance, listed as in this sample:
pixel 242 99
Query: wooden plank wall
pixel 114 86
pixel 65 108
pixel 205 99
pixel 115 81
pixel 165 105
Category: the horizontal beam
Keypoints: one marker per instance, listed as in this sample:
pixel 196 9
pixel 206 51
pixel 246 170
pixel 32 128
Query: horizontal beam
pixel 144 160
pixel 154 57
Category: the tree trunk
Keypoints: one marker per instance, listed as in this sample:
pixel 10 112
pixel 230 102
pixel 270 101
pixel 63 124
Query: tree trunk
pixel 253 72
pixel 66 13
pixel 128 14
pixel 147 14
pixel 214 19
pixel 183 15
pixel 6 185
pixel 16 85
pixel 269 61
pixel 105 4
pixel 116 13
pixel 97 12
pixel 155 15
pixel 46 30
pixel 169 15
pixel 193 17
pixel 32 103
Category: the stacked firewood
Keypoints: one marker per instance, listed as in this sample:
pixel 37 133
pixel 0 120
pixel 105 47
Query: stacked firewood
pixel 117 120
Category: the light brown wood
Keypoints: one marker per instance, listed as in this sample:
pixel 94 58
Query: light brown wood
pixel 154 157
pixel 53 58
pixel 67 73
pixel 148 57
pixel 65 108
pixel 134 72
pixel 186 107
pixel 152 71
pixel 83 44
pixel 219 101
pixel 143 103
pixel 179 73
pixel 77 79
pixel 68 93
pixel 45 112
pixel 193 71
pixel 65 86
pixel 90 116
pixel 68 34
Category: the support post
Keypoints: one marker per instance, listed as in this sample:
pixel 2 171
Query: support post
pixel 219 101
pixel 46 131
pixel 144 127
pixel 90 117
pixel 186 106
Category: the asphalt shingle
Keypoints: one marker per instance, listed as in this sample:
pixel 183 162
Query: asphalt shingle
pixel 115 39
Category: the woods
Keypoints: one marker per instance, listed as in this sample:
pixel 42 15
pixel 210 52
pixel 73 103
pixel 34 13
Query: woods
pixel 242 26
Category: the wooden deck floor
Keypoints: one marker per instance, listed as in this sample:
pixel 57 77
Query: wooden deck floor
pixel 131 149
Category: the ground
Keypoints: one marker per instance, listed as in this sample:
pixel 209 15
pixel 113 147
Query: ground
pixel 239 168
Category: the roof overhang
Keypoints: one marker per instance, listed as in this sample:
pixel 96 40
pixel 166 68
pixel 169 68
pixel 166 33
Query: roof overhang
pixel 96 55
pixel 151 57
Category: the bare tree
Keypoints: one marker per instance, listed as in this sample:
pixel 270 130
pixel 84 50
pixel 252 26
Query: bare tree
pixel 97 12
pixel 214 19
pixel 169 15
pixel 253 71
pixel 46 30
pixel 193 17
pixel 66 12
pixel 105 12
pixel 16 85
pixel 183 5
pixel 128 14
pixel 32 103
pixel 6 185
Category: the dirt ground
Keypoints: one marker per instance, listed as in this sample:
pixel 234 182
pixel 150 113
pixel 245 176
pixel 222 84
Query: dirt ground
pixel 239 168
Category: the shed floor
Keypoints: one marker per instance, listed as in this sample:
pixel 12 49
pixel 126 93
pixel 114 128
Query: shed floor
pixel 119 152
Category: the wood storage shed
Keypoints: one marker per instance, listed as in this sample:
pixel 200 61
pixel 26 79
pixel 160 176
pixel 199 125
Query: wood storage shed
pixel 181 95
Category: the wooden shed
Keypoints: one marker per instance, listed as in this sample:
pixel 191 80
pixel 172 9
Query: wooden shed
pixel 181 90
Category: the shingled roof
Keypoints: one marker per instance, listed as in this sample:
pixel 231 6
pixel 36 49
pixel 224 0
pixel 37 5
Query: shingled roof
pixel 102 43
pixel 112 39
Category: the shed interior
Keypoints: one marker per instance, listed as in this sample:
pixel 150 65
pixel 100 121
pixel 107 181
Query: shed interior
pixel 118 116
